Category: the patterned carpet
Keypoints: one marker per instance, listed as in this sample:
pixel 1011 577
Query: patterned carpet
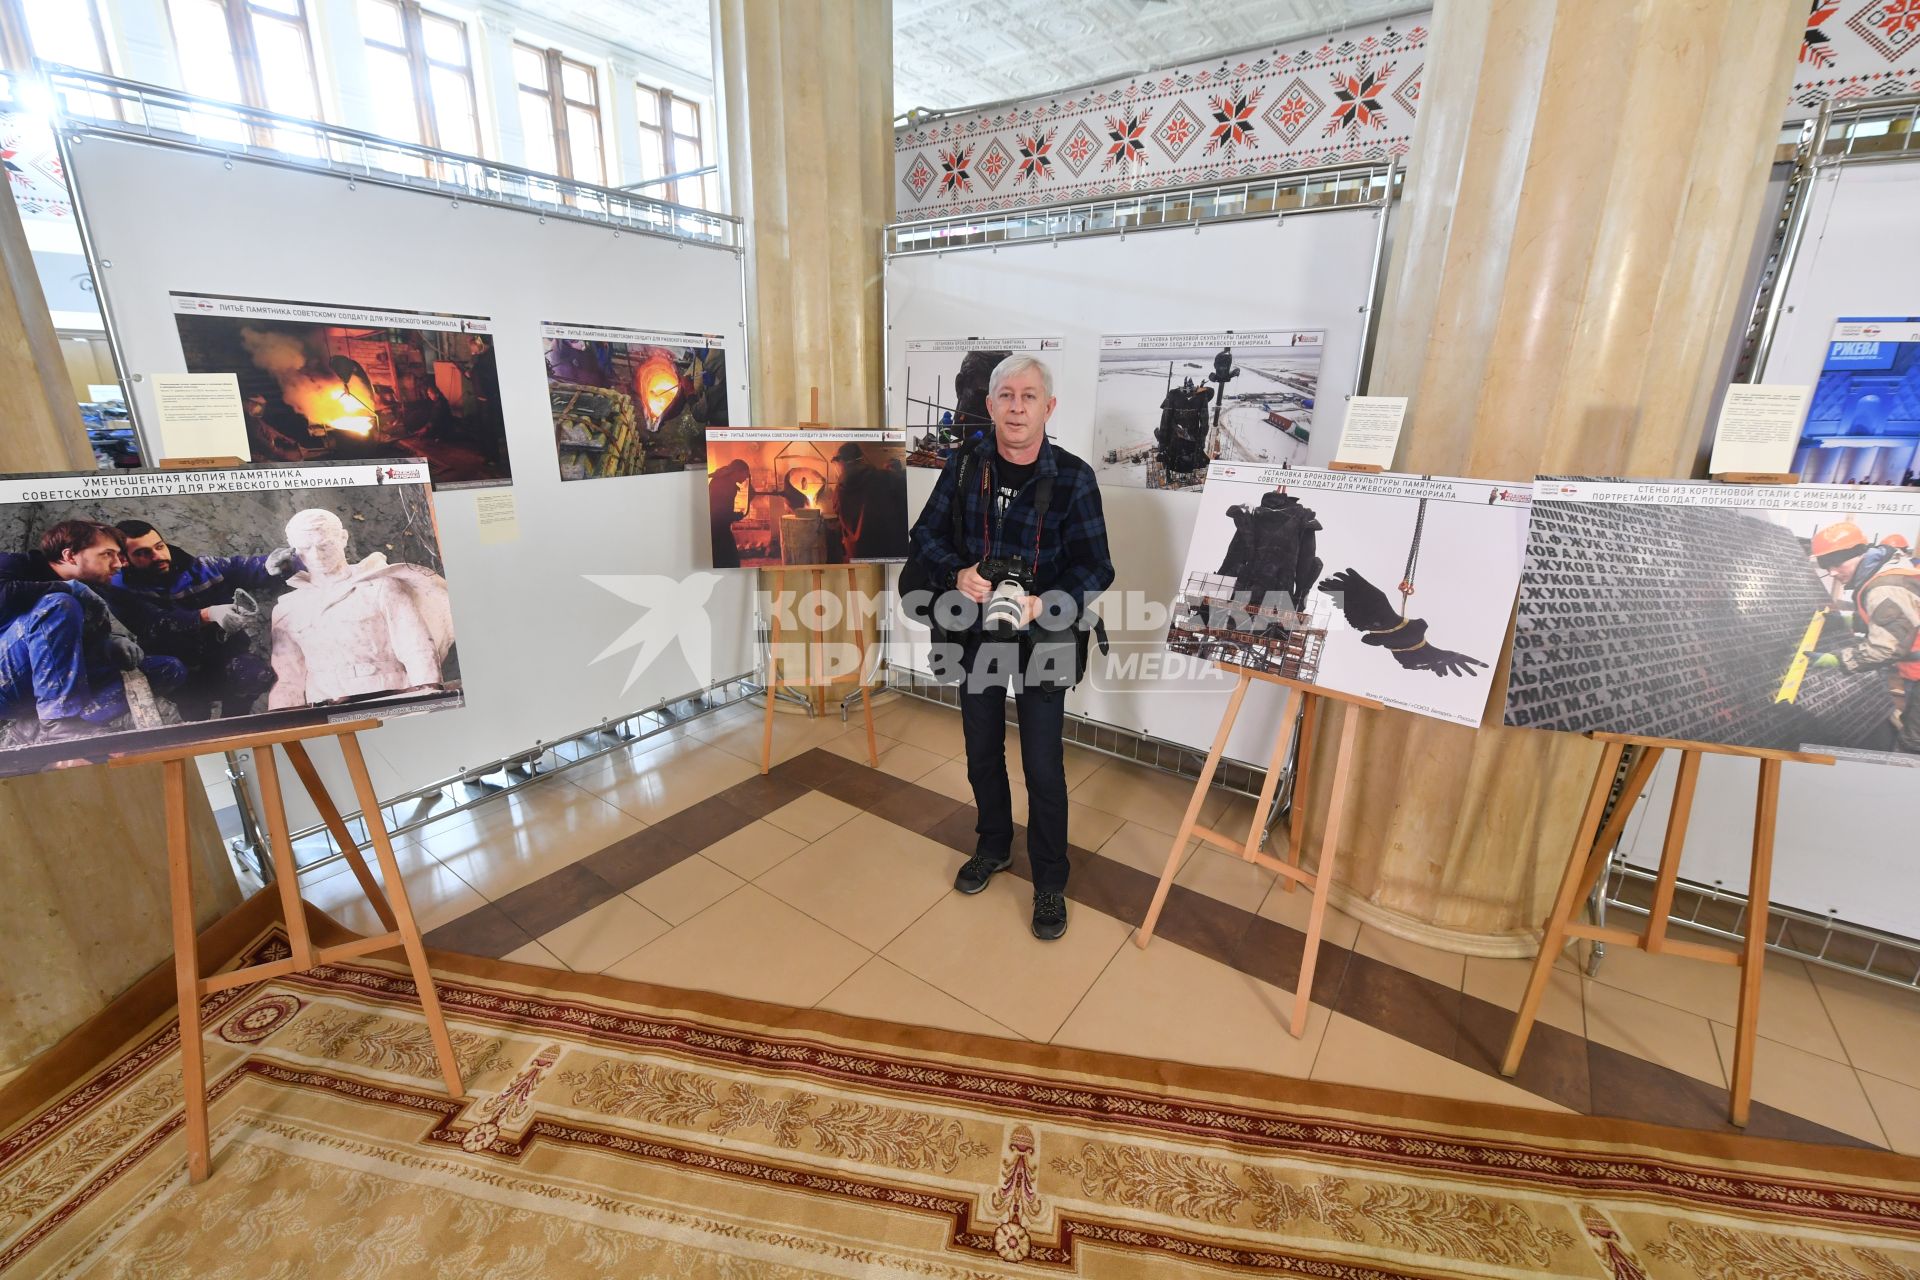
pixel 618 1130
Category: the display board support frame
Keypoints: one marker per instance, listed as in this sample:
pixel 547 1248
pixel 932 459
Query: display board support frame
pixel 1588 859
pixel 393 908
pixel 1296 734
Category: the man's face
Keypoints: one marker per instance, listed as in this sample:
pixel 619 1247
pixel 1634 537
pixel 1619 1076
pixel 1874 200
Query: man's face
pixel 1020 407
pixel 149 553
pixel 95 566
pixel 321 549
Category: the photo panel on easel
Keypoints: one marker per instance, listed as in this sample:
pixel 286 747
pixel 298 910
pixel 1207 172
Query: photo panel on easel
pixel 783 499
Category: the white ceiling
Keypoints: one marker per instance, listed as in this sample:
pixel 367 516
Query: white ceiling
pixel 956 53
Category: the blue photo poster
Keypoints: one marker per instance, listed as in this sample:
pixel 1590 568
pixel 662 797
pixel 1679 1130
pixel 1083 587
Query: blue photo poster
pixel 1864 422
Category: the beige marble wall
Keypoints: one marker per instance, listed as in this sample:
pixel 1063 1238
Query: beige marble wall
pixel 1567 262
pixel 83 884
pixel 806 90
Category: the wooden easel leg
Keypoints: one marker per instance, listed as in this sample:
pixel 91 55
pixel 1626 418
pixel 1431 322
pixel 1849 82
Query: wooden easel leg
pixel 1145 933
pixel 1297 820
pixel 1323 871
pixel 1554 934
pixel 349 848
pixel 186 970
pixel 1753 955
pixel 406 927
pixel 773 672
pixel 1662 906
pixel 1635 782
pixel 285 873
pixel 866 697
pixel 1270 783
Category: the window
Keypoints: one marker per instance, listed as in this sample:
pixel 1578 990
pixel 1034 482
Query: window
pixel 560 114
pixel 422 71
pixel 255 52
pixel 671 141
pixel 64 31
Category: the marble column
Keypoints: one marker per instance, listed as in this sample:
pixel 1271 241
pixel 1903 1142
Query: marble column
pixel 1584 184
pixel 806 97
pixel 83 881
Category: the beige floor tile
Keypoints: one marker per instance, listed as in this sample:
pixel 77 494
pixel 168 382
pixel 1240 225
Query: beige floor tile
pixel 949 778
pixel 503 851
pixel 535 954
pixel 981 950
pixel 595 939
pixel 1897 1107
pixel 749 944
pixel 1879 1025
pixel 1806 1085
pixel 1141 847
pixel 1790 1007
pixel 851 742
pixel 1354 1053
pixel 868 879
pixel 1088 827
pixel 932 728
pixel 1224 877
pixel 687 888
pixel 754 849
pixel 660 787
pixel 1291 909
pixel 437 893
pixel 793 735
pixel 1504 982
pixel 409 855
pixel 1444 967
pixel 1136 793
pixel 879 989
pixel 1647 1029
pixel 812 816
pixel 1169 1002
pixel 909 761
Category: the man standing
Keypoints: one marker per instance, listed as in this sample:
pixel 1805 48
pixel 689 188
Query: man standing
pixel 1030 513
pixel 221 664
pixel 60 661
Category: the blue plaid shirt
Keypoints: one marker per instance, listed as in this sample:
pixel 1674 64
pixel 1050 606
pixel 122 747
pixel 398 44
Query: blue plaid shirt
pixel 1072 536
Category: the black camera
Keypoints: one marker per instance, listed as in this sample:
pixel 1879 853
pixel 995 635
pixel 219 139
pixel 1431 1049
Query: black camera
pixel 1006 609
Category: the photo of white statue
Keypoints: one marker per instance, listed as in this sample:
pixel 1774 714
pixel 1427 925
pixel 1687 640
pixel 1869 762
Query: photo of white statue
pixel 354 629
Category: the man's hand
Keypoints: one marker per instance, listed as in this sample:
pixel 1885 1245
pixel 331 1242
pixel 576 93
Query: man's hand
pixel 972 585
pixel 281 561
pixel 242 615
pixel 123 653
pixel 1826 662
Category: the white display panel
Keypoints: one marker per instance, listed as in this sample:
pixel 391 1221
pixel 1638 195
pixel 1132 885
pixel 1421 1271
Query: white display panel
pixel 529 619
pixel 1307 272
pixel 1845 843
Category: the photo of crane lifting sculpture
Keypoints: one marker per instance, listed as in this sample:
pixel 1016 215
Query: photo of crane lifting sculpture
pixel 1167 405
pixel 1391 587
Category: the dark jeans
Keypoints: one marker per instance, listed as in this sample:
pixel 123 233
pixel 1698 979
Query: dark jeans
pixel 983 719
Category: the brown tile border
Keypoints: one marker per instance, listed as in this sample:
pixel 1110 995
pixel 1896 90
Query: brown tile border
pixel 1559 1066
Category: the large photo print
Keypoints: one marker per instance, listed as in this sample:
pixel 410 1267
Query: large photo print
pixel 1395 588
pixel 785 498
pixel 944 385
pixel 1784 617
pixel 323 383
pixel 1168 404
pixel 1863 423
pixel 159 608
pixel 628 402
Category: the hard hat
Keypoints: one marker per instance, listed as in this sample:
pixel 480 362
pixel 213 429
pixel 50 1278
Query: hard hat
pixel 1844 536
pixel 1896 540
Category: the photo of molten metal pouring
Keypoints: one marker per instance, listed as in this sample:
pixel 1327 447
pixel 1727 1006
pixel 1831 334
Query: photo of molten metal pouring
pixel 628 408
pixel 806 498
pixel 316 392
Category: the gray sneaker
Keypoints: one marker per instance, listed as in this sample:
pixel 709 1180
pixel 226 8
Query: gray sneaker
pixel 1049 915
pixel 979 869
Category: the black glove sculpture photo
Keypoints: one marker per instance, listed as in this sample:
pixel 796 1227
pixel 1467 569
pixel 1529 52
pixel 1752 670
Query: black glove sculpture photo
pixel 1368 609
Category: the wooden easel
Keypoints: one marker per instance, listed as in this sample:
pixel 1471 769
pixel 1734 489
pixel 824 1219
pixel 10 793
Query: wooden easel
pixel 816 637
pixel 1591 846
pixel 395 915
pixel 1290 871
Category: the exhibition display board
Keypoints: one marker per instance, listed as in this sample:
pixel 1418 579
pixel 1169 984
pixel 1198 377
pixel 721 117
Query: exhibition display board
pixel 787 499
pixel 1308 272
pixel 160 609
pixel 559 570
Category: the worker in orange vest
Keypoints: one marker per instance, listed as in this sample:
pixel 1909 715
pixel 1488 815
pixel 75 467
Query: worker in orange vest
pixel 1886 603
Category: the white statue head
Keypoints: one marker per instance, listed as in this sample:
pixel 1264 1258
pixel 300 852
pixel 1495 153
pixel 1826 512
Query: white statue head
pixel 319 539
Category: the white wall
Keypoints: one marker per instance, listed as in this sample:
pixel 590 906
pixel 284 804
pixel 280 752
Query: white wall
pixel 528 622
pixel 1308 272
pixel 1847 842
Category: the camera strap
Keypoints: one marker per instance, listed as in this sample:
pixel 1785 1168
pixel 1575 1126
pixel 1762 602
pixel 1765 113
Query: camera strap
pixel 992 521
